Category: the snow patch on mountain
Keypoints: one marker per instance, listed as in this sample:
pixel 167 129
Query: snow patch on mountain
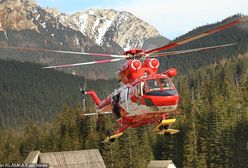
pixel 107 26
pixel 100 27
pixel 82 23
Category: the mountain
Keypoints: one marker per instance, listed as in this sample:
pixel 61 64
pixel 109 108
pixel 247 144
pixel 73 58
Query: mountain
pixel 25 24
pixel 108 27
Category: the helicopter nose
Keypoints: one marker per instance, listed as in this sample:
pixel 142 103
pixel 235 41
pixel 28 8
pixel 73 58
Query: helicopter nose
pixel 161 98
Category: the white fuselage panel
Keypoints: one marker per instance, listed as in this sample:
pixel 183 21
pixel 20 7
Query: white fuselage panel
pixel 134 108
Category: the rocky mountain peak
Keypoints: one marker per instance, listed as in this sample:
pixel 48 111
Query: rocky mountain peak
pixel 17 14
pixel 19 2
pixel 53 11
pixel 108 27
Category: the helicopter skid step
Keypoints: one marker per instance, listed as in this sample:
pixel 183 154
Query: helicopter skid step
pixel 164 123
pixel 112 137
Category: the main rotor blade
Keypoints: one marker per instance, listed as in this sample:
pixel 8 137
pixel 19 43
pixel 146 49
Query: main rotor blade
pixel 64 52
pixel 84 63
pixel 190 50
pixel 198 36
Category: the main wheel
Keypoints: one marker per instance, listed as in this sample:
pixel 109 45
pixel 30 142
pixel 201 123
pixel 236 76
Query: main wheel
pixel 163 127
pixel 112 140
pixel 166 127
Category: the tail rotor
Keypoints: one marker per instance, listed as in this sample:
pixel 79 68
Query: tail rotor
pixel 83 93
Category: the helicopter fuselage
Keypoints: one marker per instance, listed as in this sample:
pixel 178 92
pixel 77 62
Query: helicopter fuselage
pixel 144 95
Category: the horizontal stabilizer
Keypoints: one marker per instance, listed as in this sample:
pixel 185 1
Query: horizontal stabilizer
pixel 100 113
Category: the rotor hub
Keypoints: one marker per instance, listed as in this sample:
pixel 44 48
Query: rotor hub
pixel 134 53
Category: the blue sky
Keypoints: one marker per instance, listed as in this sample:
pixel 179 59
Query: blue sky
pixel 171 17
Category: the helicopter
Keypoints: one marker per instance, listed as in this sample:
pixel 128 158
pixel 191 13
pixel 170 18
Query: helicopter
pixel 144 97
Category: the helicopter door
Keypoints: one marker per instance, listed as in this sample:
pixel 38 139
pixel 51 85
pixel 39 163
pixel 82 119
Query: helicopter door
pixel 140 88
pixel 124 99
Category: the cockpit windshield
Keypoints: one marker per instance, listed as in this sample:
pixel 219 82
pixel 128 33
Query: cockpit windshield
pixel 157 84
pixel 166 84
pixel 153 84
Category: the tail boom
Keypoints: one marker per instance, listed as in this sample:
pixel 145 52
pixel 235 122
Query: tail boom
pixel 94 97
pixel 103 105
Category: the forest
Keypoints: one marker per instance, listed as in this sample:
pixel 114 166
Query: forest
pixel 213 123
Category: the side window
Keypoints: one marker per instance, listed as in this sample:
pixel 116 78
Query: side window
pixel 166 84
pixel 128 93
pixel 143 88
pixel 137 90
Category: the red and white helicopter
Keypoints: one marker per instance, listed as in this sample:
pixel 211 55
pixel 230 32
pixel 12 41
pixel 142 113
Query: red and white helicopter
pixel 144 97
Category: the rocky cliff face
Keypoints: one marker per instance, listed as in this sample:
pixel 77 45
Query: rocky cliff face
pixel 17 15
pixel 107 26
pixel 25 15
pixel 23 23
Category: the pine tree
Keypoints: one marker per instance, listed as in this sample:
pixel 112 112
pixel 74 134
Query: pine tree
pixel 9 147
pixel 190 139
pixel 32 139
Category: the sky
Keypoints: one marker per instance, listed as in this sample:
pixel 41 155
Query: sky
pixel 171 18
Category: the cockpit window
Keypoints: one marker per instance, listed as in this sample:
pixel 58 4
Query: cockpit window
pixel 166 84
pixel 160 83
pixel 143 88
pixel 153 84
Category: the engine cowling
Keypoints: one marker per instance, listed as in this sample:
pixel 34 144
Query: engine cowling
pixel 152 63
pixel 134 69
pixel 134 65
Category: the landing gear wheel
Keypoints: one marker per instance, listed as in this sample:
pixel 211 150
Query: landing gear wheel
pixel 112 140
pixel 166 127
pixel 163 127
